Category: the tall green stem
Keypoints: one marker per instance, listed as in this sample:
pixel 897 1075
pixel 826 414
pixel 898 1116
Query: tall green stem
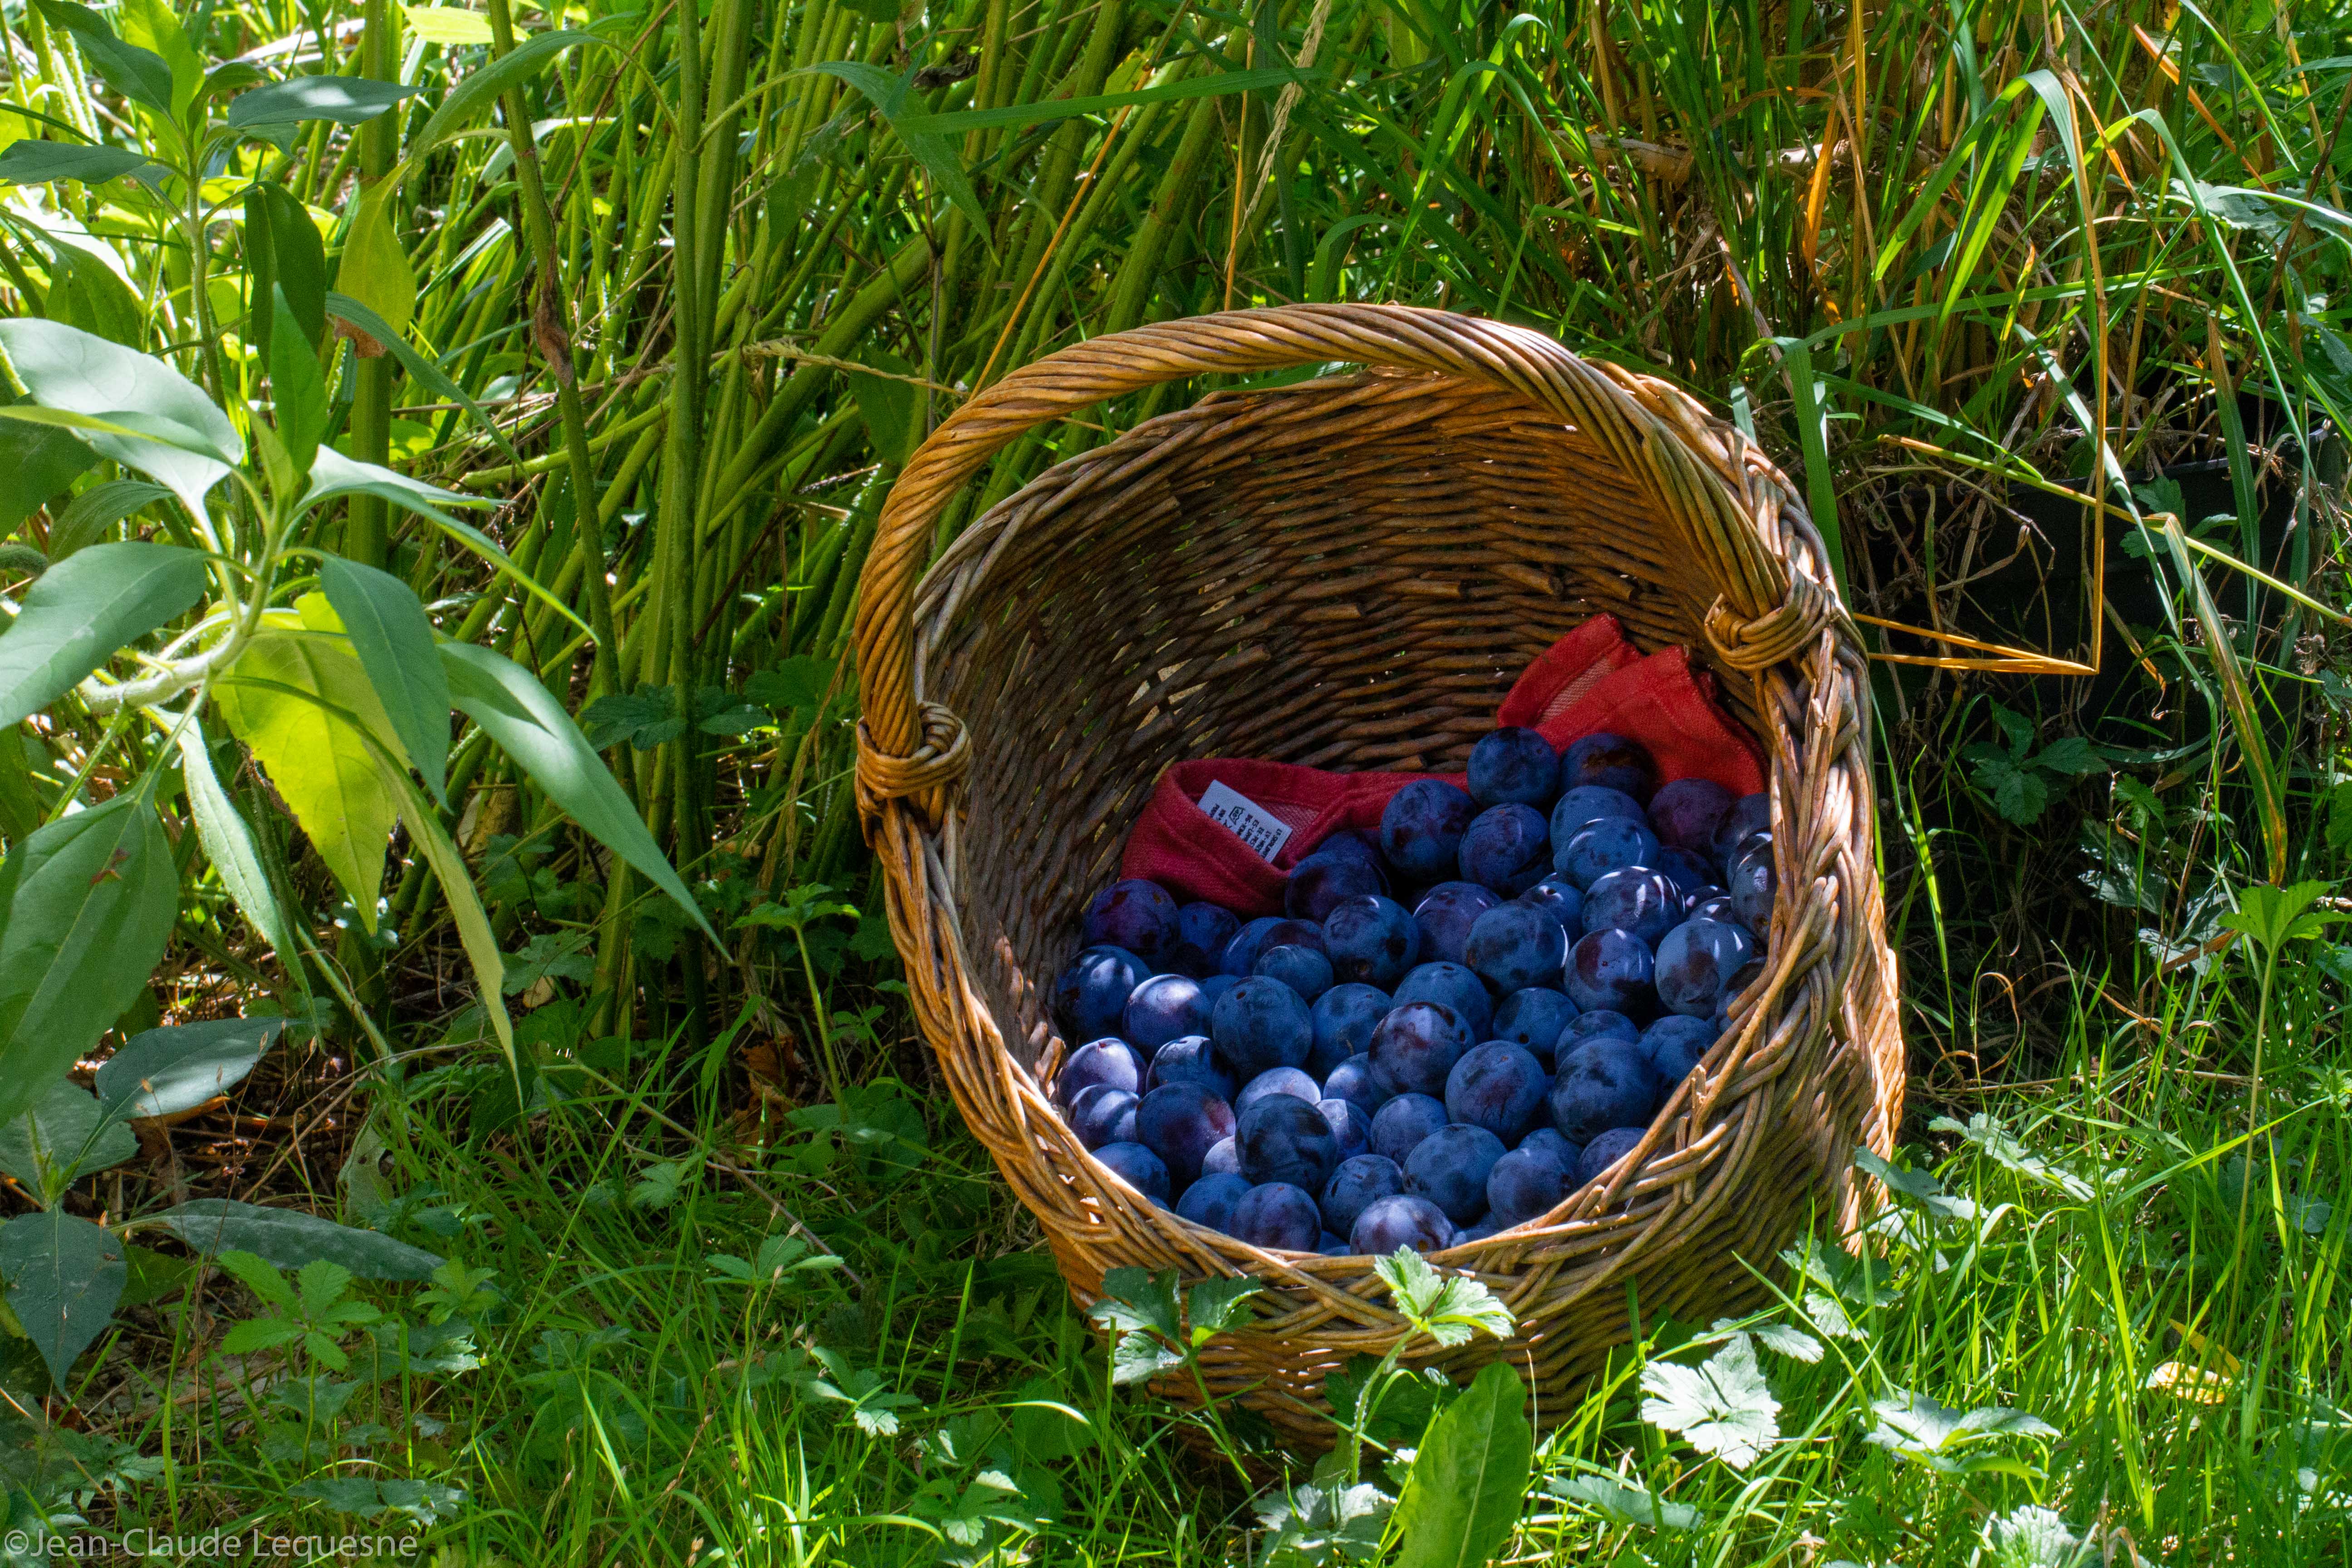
pixel 365 524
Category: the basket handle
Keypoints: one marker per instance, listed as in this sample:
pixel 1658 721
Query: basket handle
pixel 1651 428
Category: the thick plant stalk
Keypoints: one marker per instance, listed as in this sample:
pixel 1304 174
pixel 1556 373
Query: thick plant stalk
pixel 551 319
pixel 364 530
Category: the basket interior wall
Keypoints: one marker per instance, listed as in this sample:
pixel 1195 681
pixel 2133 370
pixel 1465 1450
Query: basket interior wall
pixel 1347 576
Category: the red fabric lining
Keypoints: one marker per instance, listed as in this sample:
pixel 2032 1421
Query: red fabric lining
pixel 1588 681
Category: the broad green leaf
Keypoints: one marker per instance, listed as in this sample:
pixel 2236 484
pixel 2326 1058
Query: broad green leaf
pixel 66 1134
pixel 321 765
pixel 290 1238
pixel 935 151
pixel 85 905
pixel 2271 916
pixel 164 1071
pixel 282 251
pixel 297 392
pixel 140 74
pixel 98 509
pixel 374 269
pixel 464 905
pixel 394 639
pixel 420 369
pixel 89 291
pixel 892 409
pixel 480 88
pixel 1722 1408
pixel 344 100
pixel 1138 1357
pixel 228 844
pixel 150 25
pixel 82 610
pixel 333 474
pixel 533 728
pixel 38 163
pixel 2074 754
pixel 1137 1299
pixel 451 26
pixel 1624 1504
pixel 64 1275
pixel 1462 1497
pixel 62 368
pixel 1215 1305
pixel 1919 1428
pixel 1448 1308
pixel 36 465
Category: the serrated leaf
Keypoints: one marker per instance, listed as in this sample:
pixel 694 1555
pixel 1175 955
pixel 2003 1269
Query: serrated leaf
pixel 647 717
pixel 163 1072
pixel 1917 1426
pixel 277 698
pixel 2074 755
pixel 1216 1305
pixel 1722 1406
pixel 1137 1299
pixel 799 682
pixel 1792 1342
pixel 1136 1355
pixel 82 610
pixel 1623 1504
pixel 290 1239
pixel 1461 1500
pixel 2010 1152
pixel 65 1276
pixel 86 906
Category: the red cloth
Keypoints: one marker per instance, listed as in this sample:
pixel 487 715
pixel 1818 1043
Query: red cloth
pixel 1588 681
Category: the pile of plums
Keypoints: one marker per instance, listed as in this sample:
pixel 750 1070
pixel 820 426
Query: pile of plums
pixel 1455 1023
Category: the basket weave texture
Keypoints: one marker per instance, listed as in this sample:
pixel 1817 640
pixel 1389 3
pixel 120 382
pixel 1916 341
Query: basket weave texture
pixel 1347 573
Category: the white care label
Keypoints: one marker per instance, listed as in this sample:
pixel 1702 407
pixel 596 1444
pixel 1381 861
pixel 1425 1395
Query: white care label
pixel 1250 822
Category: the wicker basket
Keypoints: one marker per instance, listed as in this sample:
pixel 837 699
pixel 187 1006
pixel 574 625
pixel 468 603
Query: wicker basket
pixel 1347 573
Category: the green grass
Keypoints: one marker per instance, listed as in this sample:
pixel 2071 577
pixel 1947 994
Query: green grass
pixel 2140 1249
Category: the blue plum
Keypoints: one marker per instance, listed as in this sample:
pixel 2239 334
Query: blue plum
pixel 1479 1232
pixel 1749 813
pixel 1752 879
pixel 1084 1003
pixel 1138 1166
pixel 1513 947
pixel 1696 964
pixel 1588 803
pixel 1360 1181
pixel 1277 1214
pixel 1694 876
pixel 1514 766
pixel 1262 1023
pixel 1713 907
pixel 1415 1045
pixel 1286 1140
pixel 1399 1126
pixel 1550 1140
pixel 1210 1201
pixel 1303 969
pixel 1322 880
pixel 1675 1044
pixel 1633 899
pixel 1293 932
pixel 1354 1080
pixel 1190 1059
pixel 1506 848
pixel 1344 1018
pixel 1602 1084
pixel 1601 1024
pixel 1203 929
pixel 1562 899
pixel 1497 1086
pixel 1370 941
pixel 1223 1158
pixel 1450 1168
pixel 1103 1115
pixel 1400 1220
pixel 1535 1018
pixel 1331 1246
pixel 1107 1062
pixel 1181 1123
pixel 1214 986
pixel 1609 970
pixel 1444 918
pixel 1422 829
pixel 1353 843
pixel 1604 1151
pixel 1137 915
pixel 1601 846
pixel 1524 1183
pixel 1164 1008
pixel 1241 953
pixel 1613 762
pixel 1277 1080
pixel 1350 1123
pixel 1451 986
pixel 1686 814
